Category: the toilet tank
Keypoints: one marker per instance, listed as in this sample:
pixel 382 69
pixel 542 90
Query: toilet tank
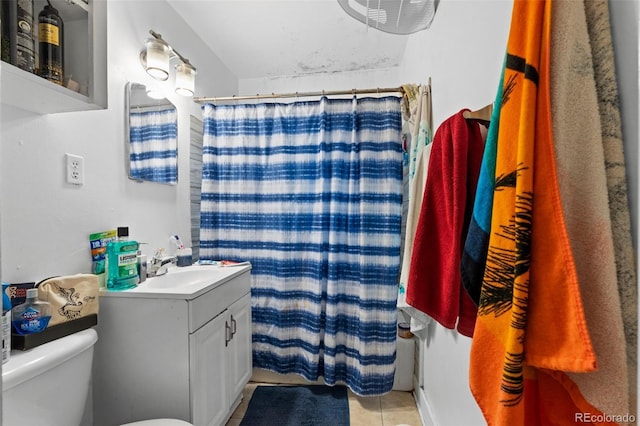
pixel 50 383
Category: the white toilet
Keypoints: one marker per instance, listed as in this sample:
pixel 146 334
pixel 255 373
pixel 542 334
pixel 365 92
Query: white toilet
pixel 50 384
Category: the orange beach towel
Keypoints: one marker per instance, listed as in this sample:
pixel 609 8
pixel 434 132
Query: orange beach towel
pixel 531 327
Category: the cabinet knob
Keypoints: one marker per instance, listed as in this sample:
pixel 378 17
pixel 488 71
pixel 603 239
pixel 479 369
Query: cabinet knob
pixel 227 334
pixel 233 326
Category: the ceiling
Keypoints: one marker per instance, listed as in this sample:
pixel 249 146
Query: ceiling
pixel 268 38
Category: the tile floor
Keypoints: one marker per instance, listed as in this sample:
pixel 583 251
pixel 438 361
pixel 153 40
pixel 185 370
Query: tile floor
pixel 393 409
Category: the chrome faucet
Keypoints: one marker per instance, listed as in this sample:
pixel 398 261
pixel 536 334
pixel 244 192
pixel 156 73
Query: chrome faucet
pixel 159 263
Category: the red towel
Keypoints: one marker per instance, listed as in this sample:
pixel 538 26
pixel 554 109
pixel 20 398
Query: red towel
pixel 435 285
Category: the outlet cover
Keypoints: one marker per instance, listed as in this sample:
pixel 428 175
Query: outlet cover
pixel 75 169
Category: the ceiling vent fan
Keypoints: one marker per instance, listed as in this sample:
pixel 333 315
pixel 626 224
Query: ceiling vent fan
pixel 392 16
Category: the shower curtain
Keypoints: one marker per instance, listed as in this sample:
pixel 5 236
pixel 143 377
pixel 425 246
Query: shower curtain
pixel 310 194
pixel 153 145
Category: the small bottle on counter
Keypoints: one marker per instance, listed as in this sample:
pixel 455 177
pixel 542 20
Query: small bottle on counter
pixel 122 262
pixel 32 316
pixel 185 256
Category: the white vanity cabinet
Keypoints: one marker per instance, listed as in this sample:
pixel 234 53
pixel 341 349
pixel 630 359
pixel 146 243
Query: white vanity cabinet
pixel 173 355
pixel 85 57
pixel 218 377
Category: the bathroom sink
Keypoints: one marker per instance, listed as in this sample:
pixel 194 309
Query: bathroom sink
pixel 179 277
pixel 187 282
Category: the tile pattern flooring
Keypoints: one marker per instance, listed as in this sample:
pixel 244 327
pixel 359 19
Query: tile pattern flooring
pixel 396 408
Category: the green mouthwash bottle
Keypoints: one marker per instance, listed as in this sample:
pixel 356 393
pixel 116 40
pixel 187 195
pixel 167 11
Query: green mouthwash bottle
pixel 122 262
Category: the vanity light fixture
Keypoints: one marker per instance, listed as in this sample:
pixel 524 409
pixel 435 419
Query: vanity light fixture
pixel 155 59
pixel 185 79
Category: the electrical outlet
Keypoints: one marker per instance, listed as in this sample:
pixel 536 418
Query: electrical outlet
pixel 75 169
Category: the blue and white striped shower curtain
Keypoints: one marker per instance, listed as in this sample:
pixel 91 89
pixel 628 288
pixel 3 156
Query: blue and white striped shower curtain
pixel 153 137
pixel 310 193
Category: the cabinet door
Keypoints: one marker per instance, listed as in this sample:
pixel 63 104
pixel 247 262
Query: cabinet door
pixel 239 349
pixel 208 372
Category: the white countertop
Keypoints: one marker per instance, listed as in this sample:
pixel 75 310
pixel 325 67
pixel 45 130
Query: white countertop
pixel 194 281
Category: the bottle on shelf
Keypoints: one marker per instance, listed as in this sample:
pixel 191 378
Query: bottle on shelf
pixel 51 45
pixel 17 40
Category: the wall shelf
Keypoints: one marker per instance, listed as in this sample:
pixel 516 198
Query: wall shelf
pixel 85 40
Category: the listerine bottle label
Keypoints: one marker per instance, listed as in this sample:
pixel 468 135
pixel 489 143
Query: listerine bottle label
pixel 127 264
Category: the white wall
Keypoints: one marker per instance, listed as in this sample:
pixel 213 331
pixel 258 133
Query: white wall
pixel 625 23
pixel 317 82
pixel 45 222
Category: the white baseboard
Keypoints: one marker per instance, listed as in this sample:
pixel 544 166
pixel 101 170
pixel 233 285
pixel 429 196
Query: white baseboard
pixel 423 404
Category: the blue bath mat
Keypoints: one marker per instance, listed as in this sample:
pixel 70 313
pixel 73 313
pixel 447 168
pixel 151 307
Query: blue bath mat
pixel 313 405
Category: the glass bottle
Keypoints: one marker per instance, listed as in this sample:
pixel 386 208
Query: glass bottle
pixel 50 45
pixel 17 39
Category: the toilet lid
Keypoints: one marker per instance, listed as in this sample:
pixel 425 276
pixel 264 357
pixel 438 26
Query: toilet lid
pixel 159 422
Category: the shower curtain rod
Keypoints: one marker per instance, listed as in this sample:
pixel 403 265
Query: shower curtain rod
pixel 302 94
